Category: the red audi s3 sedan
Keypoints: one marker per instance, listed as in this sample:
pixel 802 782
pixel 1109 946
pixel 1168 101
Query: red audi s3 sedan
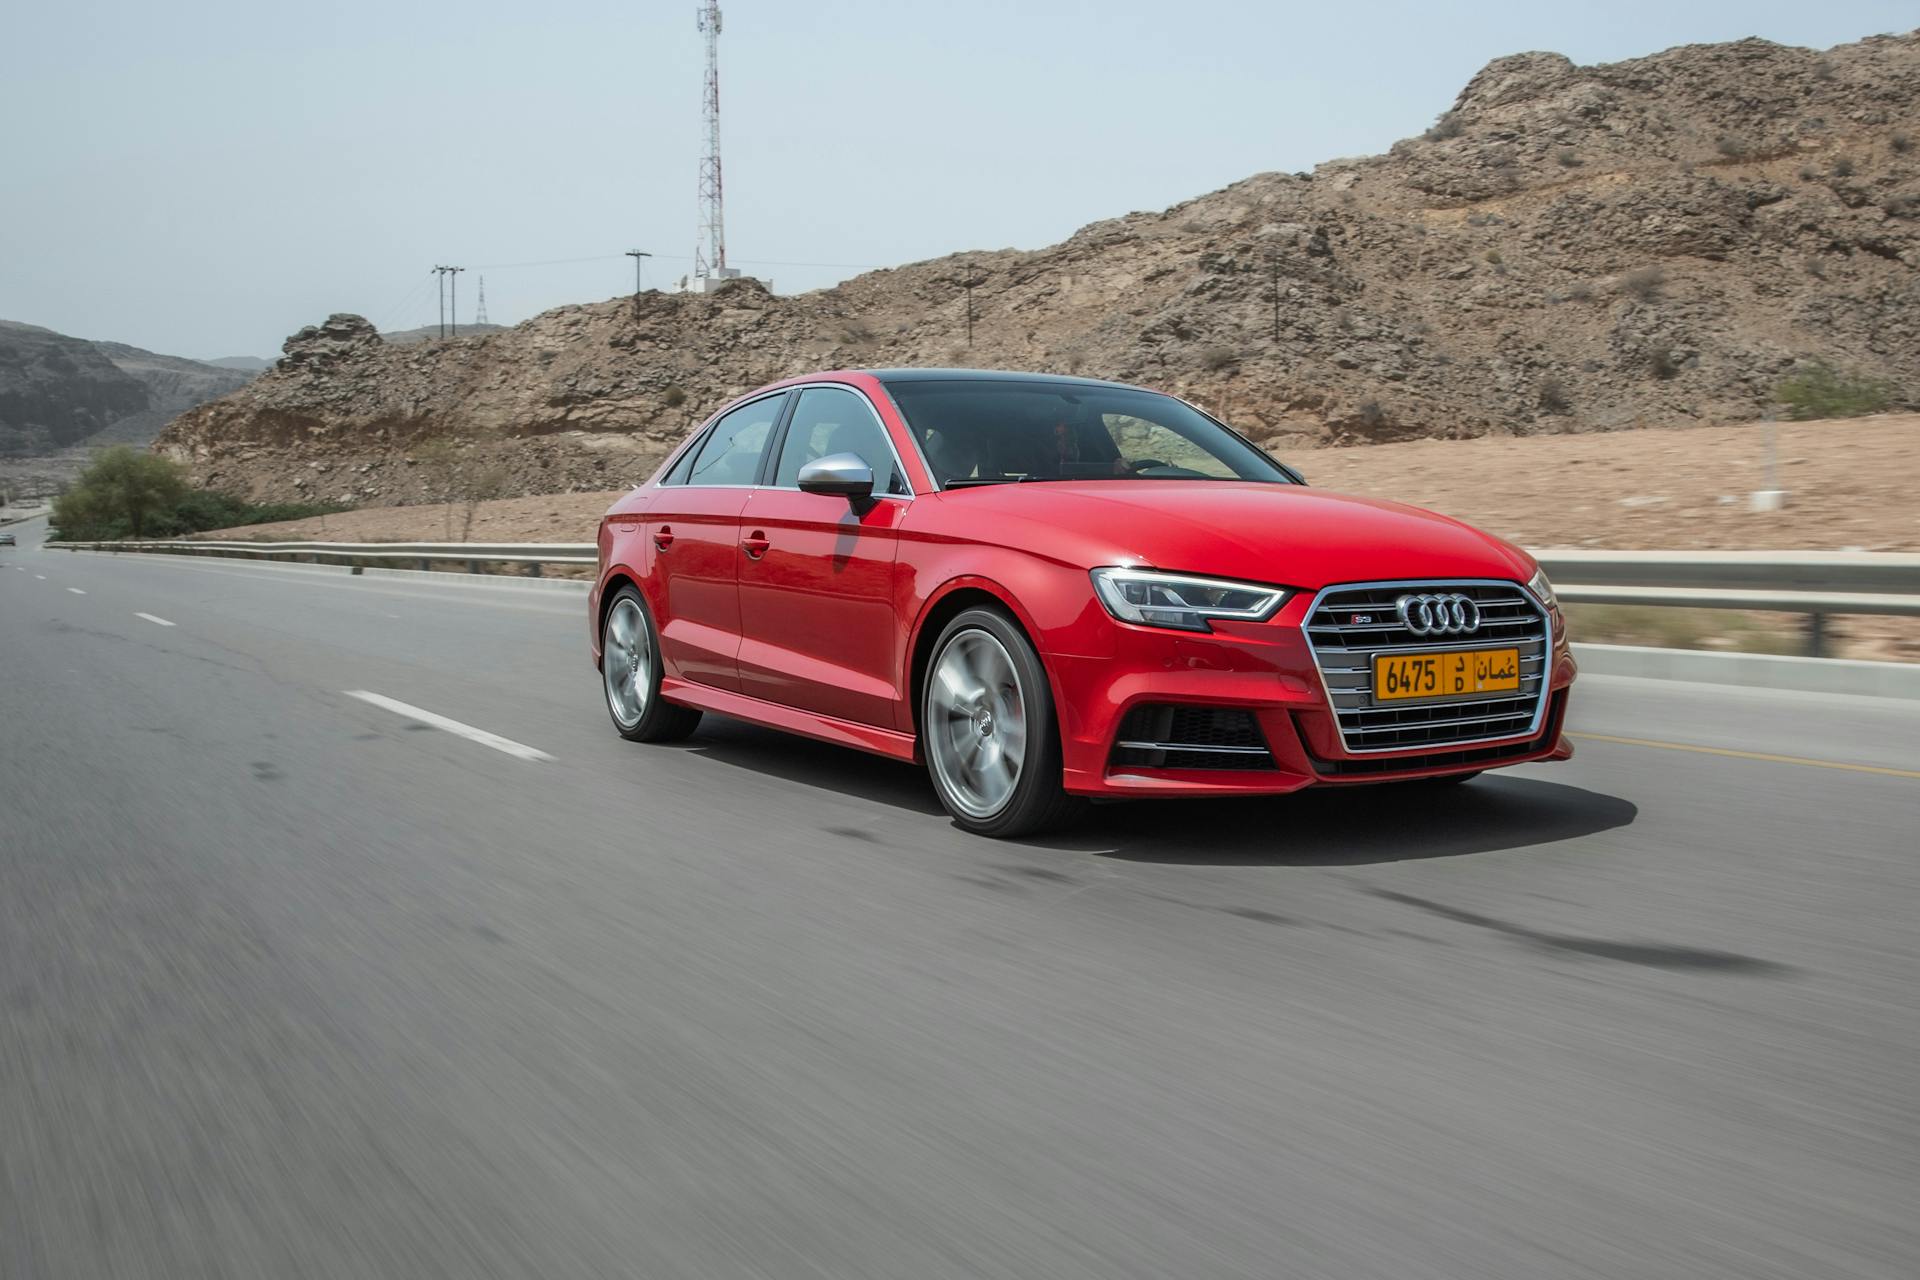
pixel 1050 588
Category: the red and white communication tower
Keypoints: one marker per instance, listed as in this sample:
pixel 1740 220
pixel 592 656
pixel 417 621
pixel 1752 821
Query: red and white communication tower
pixel 710 253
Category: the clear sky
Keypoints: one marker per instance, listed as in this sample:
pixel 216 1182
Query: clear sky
pixel 203 177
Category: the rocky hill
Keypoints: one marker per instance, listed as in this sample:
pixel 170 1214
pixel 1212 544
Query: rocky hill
pixel 1568 248
pixel 58 391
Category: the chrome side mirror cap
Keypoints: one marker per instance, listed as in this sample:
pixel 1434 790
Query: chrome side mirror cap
pixel 844 475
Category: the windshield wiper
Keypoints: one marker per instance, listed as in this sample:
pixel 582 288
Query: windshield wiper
pixel 969 482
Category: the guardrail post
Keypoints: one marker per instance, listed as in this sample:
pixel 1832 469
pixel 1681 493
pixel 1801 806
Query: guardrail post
pixel 1816 635
pixel 533 568
pixel 425 564
pixel 473 566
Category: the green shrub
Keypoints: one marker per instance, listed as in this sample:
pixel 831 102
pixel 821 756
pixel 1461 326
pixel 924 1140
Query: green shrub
pixel 125 493
pixel 1818 390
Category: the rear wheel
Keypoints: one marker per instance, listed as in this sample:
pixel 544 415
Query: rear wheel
pixel 988 729
pixel 630 675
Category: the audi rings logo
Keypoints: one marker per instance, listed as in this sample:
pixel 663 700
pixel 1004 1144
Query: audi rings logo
pixel 1445 615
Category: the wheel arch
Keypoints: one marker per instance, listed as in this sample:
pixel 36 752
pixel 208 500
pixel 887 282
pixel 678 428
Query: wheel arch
pixel 955 598
pixel 609 588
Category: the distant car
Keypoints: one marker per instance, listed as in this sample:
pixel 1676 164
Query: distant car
pixel 1050 588
pixel 8 540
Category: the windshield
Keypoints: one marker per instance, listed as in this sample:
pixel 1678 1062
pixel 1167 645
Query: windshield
pixel 979 432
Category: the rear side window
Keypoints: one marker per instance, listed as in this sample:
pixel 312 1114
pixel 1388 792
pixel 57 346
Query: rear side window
pixel 830 420
pixel 731 452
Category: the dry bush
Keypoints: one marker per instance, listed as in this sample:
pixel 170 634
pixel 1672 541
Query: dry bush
pixel 1580 291
pixel 1663 363
pixel 1554 397
pixel 1371 413
pixel 1644 283
pixel 1568 158
pixel 1843 166
pixel 674 398
pixel 1216 358
pixel 1901 142
pixel 1733 146
pixel 1447 125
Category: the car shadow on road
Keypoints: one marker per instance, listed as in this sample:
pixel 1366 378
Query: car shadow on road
pixel 815 764
pixel 1348 826
pixel 1323 827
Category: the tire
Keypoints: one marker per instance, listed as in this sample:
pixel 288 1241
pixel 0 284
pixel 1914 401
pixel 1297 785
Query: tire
pixel 989 732
pixel 630 674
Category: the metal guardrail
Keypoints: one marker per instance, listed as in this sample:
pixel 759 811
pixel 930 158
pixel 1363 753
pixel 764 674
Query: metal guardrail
pixel 529 556
pixel 1815 583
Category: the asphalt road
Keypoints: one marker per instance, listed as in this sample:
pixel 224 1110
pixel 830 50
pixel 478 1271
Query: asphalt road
pixel 292 984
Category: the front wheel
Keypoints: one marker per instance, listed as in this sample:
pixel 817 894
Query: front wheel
pixel 630 674
pixel 988 729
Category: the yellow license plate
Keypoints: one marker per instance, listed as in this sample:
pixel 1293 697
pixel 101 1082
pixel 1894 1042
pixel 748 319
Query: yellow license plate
pixel 1397 676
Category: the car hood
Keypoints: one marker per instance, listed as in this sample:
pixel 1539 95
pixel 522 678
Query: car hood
pixel 1291 535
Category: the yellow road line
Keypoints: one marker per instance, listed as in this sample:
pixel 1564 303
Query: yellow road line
pixel 1749 755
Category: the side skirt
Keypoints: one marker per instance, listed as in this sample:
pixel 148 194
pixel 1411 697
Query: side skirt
pixel 845 733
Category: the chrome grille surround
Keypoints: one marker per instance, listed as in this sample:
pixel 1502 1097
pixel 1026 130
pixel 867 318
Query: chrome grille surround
pixel 1343 653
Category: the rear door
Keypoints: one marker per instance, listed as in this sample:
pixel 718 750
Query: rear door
pixel 694 525
pixel 818 627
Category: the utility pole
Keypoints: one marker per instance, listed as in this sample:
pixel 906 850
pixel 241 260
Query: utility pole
pixel 973 278
pixel 447 287
pixel 638 257
pixel 1273 261
pixel 453 298
pixel 440 296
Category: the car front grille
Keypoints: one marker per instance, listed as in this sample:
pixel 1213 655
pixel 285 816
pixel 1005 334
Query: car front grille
pixel 1348 626
pixel 1164 736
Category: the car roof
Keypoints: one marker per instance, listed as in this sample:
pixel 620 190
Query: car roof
pixel 988 375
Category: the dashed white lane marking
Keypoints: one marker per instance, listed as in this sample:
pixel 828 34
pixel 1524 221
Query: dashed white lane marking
pixel 158 622
pixel 77 591
pixel 40 577
pixel 467 731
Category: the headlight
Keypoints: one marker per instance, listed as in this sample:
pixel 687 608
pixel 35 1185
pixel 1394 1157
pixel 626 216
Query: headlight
pixel 1542 589
pixel 1174 600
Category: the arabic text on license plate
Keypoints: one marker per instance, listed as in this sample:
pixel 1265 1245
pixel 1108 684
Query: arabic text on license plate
pixel 1445 675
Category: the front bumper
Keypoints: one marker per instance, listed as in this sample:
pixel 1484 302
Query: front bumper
pixel 1268 671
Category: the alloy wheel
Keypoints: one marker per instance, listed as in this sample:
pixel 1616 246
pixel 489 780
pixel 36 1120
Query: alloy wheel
pixel 626 663
pixel 977 723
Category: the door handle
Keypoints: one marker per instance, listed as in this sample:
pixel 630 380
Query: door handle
pixel 755 544
pixel 663 537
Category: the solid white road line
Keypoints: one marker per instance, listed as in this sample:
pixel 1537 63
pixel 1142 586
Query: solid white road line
pixel 466 731
pixel 77 591
pixel 158 622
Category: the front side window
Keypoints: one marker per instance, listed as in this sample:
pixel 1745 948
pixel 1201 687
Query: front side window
pixel 730 454
pixel 830 420
pixel 993 432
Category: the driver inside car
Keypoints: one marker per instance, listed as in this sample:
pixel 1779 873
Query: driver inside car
pixel 1075 453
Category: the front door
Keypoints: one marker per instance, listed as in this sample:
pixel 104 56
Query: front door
pixel 819 628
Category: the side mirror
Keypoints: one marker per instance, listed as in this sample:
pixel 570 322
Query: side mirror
pixel 844 475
